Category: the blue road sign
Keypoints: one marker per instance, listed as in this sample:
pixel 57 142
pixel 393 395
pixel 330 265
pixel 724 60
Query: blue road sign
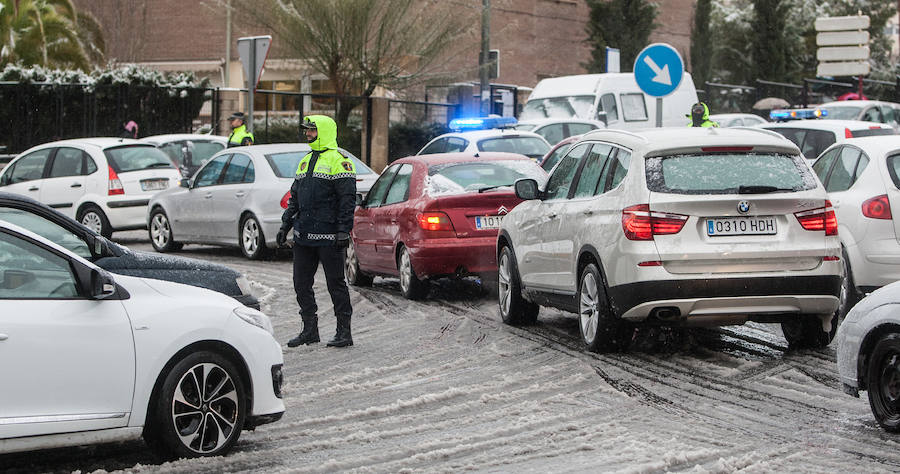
pixel 658 69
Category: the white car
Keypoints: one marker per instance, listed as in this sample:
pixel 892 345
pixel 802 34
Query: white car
pixel 506 140
pixel 868 353
pixel 865 110
pixel 737 120
pixel 862 178
pixel 814 136
pixel 91 358
pixel 555 130
pixel 188 151
pixel 104 183
pixel 677 226
pixel 236 198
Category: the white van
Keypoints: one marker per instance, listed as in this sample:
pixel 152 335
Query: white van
pixel 614 98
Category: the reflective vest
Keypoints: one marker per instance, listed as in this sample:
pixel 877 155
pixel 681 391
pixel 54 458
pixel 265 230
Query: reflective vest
pixel 240 137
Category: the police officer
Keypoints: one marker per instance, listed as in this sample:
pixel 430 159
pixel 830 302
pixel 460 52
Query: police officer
pixel 700 116
pixel 239 134
pixel 320 216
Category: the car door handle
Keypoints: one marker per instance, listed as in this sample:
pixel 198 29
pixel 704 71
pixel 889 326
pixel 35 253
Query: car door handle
pixel 240 194
pixel 393 221
pixel 33 188
pixel 75 185
pixel 588 213
pixel 3 337
pixel 551 216
pixel 207 195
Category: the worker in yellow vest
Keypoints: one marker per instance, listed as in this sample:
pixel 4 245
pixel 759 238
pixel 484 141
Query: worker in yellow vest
pixel 239 134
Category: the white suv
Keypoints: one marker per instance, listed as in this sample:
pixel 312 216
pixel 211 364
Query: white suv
pixel 687 226
pixel 104 183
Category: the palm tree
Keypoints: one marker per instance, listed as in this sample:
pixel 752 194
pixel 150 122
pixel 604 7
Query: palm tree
pixel 40 32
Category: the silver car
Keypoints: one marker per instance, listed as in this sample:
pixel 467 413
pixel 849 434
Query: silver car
pixel 236 198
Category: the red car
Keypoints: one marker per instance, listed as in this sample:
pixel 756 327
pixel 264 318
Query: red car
pixel 557 152
pixel 433 216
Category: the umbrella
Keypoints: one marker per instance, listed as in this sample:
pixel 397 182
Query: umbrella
pixel 770 103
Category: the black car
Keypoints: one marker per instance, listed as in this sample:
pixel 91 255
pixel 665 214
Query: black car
pixel 65 231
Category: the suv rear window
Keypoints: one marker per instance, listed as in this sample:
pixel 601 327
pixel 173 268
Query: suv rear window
pixel 136 158
pixel 728 173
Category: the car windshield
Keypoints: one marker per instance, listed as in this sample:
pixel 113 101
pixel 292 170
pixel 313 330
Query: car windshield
pixel 531 147
pixel 728 173
pixel 525 127
pixel 136 158
pixel 46 229
pixel 842 112
pixel 558 107
pixel 285 164
pixel 480 176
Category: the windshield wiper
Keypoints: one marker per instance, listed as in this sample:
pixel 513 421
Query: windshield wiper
pixel 488 188
pixel 760 189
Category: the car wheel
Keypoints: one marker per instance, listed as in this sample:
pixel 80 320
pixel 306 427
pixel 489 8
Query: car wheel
pixel 252 239
pixel 199 410
pixel 94 218
pixel 410 285
pixel 351 268
pixel 805 331
pixel 883 382
pixel 161 232
pixel 514 309
pixel 601 330
pixel 848 296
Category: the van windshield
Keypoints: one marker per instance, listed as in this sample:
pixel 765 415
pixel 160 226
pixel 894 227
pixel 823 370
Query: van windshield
pixel 578 106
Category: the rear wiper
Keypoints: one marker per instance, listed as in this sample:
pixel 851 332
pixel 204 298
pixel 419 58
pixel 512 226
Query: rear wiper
pixel 481 190
pixel 159 165
pixel 760 189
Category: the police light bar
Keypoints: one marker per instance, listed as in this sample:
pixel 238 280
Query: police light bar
pixel 482 123
pixel 781 115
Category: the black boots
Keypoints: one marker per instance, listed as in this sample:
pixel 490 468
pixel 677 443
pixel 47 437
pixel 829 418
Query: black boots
pixel 309 334
pixel 342 336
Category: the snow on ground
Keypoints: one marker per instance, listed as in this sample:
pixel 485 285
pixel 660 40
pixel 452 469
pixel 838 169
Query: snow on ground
pixel 443 385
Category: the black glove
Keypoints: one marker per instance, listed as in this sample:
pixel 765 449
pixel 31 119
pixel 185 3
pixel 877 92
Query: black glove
pixel 281 238
pixel 342 239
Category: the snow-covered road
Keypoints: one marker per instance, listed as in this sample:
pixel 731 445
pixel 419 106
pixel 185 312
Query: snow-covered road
pixel 444 386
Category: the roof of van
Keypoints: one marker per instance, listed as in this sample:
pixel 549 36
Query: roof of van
pixel 586 84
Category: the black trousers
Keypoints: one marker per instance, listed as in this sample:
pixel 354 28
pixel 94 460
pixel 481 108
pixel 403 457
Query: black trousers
pixel 306 262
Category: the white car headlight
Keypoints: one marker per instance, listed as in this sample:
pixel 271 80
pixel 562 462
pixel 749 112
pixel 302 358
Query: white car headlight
pixel 243 284
pixel 256 318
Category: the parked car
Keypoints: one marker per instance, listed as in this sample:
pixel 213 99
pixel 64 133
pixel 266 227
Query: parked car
pixel 737 120
pixel 678 226
pixel 110 256
pixel 188 151
pixel 862 178
pixel 558 151
pixel 104 183
pixel 236 198
pixel 90 357
pixel 555 130
pixel 487 134
pixel 435 216
pixel 814 136
pixel 864 110
pixel 868 353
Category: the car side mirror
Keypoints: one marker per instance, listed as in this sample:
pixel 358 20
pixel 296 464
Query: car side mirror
pixel 102 284
pixel 185 183
pixel 527 189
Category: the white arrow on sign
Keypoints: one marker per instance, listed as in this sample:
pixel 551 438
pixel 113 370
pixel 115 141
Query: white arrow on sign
pixel 662 74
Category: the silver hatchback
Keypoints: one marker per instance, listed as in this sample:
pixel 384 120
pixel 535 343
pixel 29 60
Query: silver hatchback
pixel 236 198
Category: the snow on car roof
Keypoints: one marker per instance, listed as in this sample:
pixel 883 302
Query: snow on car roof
pixel 674 138
pixel 830 125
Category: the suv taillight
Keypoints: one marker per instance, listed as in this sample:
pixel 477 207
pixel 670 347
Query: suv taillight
pixel 818 219
pixel 115 184
pixel 435 221
pixel 640 223
pixel 877 207
pixel 285 199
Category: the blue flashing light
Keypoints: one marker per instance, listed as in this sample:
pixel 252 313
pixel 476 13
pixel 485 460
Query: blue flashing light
pixel 482 123
pixel 781 115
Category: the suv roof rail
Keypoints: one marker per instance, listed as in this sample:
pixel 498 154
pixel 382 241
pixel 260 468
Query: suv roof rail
pixel 603 131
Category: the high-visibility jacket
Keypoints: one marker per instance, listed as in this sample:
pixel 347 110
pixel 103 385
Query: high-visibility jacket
pixel 323 194
pixel 706 121
pixel 240 137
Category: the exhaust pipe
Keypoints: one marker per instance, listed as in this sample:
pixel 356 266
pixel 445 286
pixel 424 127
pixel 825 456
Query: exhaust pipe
pixel 666 313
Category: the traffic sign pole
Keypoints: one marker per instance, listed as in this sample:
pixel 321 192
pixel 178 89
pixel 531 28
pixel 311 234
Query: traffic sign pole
pixel 251 49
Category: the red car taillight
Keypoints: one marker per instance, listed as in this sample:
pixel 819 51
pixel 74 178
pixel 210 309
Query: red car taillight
pixel 435 221
pixel 284 200
pixel 822 218
pixel 115 184
pixel 640 223
pixel 877 207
